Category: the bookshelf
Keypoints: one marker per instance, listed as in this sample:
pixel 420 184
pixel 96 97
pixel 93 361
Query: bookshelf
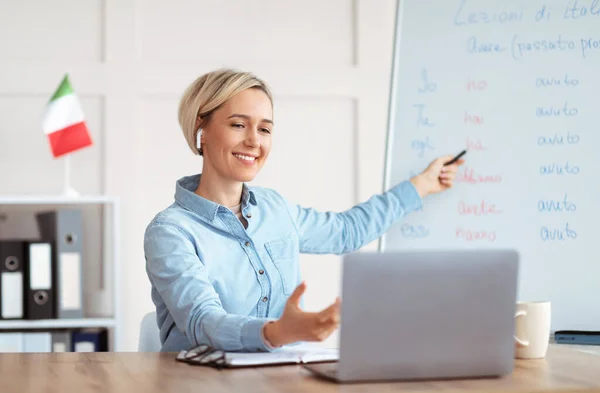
pixel 102 308
pixel 56 200
pixel 57 323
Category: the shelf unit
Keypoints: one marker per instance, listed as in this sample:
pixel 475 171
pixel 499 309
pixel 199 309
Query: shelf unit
pixel 56 200
pixel 58 323
pixel 110 263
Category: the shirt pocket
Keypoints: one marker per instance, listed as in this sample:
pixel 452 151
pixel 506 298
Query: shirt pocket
pixel 284 254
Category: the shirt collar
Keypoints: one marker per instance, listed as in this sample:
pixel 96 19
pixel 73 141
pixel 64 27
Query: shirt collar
pixel 185 196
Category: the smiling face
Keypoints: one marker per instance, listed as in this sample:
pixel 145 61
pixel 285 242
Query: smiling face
pixel 237 139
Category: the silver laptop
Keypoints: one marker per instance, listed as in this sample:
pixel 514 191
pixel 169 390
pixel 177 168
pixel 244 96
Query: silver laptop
pixel 425 315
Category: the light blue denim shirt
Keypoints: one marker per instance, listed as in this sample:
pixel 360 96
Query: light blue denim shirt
pixel 215 282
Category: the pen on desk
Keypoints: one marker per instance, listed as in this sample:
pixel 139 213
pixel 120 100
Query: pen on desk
pixel 452 161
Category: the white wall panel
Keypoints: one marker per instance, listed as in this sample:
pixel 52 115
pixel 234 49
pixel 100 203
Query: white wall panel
pixel 310 32
pixel 39 30
pixel 166 157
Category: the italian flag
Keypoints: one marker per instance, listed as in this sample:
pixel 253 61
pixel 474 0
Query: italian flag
pixel 64 123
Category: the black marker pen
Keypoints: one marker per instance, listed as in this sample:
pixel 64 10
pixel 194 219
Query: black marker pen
pixel 452 161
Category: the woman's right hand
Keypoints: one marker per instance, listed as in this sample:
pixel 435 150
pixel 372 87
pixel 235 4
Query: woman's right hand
pixel 297 325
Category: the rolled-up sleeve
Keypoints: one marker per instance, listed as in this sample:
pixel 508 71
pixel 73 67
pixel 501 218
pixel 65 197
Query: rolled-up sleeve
pixel 181 279
pixel 343 232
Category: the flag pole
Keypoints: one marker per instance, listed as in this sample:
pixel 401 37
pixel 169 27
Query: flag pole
pixel 69 191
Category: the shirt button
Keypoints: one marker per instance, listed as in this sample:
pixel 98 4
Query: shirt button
pixel 247 244
pixel 261 271
pixel 265 299
pixel 249 215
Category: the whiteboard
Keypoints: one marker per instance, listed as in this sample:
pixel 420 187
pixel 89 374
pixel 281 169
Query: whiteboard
pixel 518 84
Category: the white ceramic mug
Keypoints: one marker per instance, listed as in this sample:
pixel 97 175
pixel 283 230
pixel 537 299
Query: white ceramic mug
pixel 532 329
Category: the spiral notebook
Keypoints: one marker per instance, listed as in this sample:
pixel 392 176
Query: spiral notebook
pixel 296 354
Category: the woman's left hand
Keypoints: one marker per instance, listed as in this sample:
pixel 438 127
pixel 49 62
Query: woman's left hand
pixel 437 177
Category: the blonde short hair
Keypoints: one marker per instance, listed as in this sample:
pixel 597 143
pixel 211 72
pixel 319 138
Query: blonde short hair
pixel 207 93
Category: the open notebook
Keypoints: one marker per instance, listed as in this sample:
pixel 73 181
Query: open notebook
pixel 293 354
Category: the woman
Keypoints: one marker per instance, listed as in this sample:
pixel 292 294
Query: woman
pixel 223 258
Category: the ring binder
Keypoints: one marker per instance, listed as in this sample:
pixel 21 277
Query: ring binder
pixel 12 264
pixel 64 228
pixel 40 289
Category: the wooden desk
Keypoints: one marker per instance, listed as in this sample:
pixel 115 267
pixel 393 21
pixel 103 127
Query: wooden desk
pixel 564 368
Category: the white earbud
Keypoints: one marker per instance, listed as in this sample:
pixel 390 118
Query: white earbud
pixel 198 136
